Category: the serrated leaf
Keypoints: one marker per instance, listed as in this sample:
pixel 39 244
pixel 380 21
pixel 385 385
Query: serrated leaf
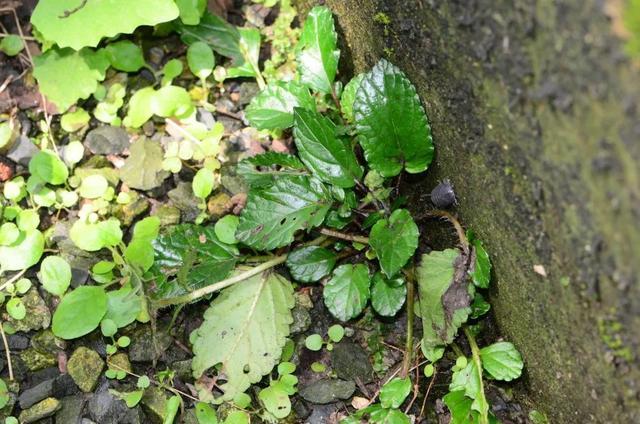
pixel 244 330
pixel 348 96
pixel 387 295
pixel 24 252
pixel 262 170
pixel 143 168
pixel 273 107
pixel 317 52
pixel 391 124
pixel 330 158
pixel 79 312
pixel 459 406
pixel 274 214
pixel 194 255
pixel 481 274
pixel 347 293
pixel 70 23
pixel 445 298
pixel 469 381
pixel 394 240
pixel 502 361
pixel 310 264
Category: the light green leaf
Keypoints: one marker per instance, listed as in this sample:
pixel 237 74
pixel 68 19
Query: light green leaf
pixel 225 229
pixel 445 299
pixel 310 264
pixel 9 233
pixel 348 96
pixel 172 101
pixel 273 107
pixel 171 409
pixel 73 121
pixel 276 401
pixel 203 183
pixel 262 170
pixel 387 295
pixel 459 406
pixel 93 186
pixel 16 308
pixel 79 312
pixel 313 342
pixel 479 306
pixel 140 108
pixel 347 293
pixel 143 168
pixel 237 417
pixel 55 275
pixel 249 45
pixel 24 252
pixel 65 75
pixel 171 70
pixel 469 380
pixel 391 124
pixel 330 158
pixel 205 414
pixel 139 251
pixel 125 56
pixel 123 306
pixel 93 237
pixel 393 394
pixel 274 214
pixel 47 166
pixel 244 330
pixel 70 23
pixel 28 219
pixel 108 328
pixel 4 399
pixel 502 361
pixel 317 52
pixel 191 10
pixel 11 45
pixel 394 240
pixel 8 133
pixel 336 333
pixel 200 59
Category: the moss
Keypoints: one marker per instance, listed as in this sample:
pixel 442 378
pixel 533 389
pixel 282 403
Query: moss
pixel 611 332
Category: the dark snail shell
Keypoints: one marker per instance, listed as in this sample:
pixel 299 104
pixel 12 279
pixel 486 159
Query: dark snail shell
pixel 443 196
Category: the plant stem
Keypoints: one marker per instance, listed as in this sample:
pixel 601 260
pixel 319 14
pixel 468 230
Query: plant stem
pixel 343 236
pixel 12 279
pixel 456 224
pixel 475 353
pixel 6 351
pixel 409 342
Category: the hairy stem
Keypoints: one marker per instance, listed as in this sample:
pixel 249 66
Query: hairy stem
pixel 456 224
pixel 343 236
pixel 475 353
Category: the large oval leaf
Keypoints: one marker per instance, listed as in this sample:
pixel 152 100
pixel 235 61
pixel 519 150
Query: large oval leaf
pixel 394 241
pixel 79 312
pixel 347 293
pixel 23 252
pixel 391 124
pixel 273 107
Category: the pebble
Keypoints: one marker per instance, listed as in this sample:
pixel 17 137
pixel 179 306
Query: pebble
pixel 327 391
pixel 85 367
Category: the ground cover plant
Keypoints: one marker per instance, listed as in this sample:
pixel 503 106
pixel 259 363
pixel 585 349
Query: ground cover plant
pixel 147 206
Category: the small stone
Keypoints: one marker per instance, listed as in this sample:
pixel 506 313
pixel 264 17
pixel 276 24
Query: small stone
pixel 16 342
pixel 182 369
pixel 218 205
pixel 301 320
pixel 85 367
pixel 142 347
pixel 107 140
pixel 35 360
pixel 248 91
pixel 105 408
pixel 327 391
pixel 38 315
pixel 168 215
pixel 71 410
pixel 182 197
pixel 45 342
pixel 22 150
pixel 351 362
pixel 129 212
pixel 35 394
pixel 63 386
pixel 41 410
pixel 155 402
pixel 121 362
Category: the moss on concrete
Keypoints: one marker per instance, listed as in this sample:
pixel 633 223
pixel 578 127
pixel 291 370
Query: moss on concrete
pixel 534 112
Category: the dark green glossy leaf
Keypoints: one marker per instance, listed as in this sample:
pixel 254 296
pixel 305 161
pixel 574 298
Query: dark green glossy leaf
pixel 261 170
pixel 479 306
pixel 394 241
pixel 310 264
pixel 223 37
pixel 274 214
pixel 317 52
pixel 445 299
pixel 194 256
pixel 347 293
pixel 387 296
pixel 79 312
pixel 391 124
pixel 249 45
pixel 125 56
pixel 388 416
pixel 502 361
pixel 273 107
pixel 393 393
pixel 330 158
